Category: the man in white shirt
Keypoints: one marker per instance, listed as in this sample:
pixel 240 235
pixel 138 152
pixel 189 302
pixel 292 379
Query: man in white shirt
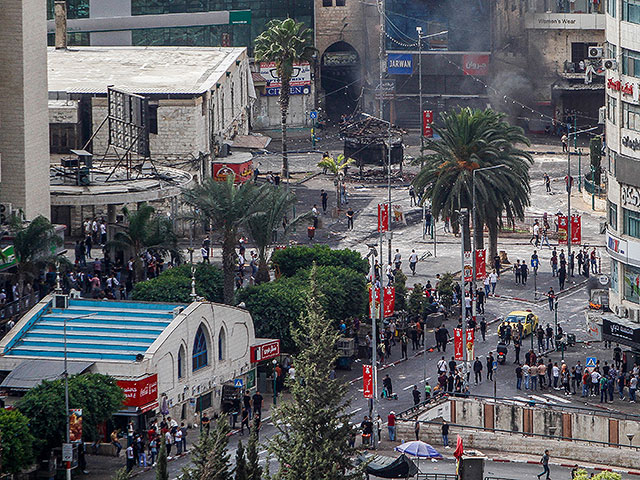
pixel 493 278
pixel 292 372
pixel 413 260
pixel 397 259
pixel 442 365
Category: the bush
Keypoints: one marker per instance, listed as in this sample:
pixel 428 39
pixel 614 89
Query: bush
pixel 17 441
pixel 416 301
pixel 400 284
pixel 174 285
pixel 291 260
pixel 276 306
pixel 445 290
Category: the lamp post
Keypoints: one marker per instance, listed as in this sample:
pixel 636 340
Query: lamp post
pixel 461 217
pixel 275 378
pixel 373 253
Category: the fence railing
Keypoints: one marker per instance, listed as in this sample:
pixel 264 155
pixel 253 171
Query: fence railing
pixel 22 305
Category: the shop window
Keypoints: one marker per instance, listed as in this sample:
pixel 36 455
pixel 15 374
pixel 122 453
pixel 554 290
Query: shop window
pixel 200 354
pixel 611 109
pixel 631 223
pixel 222 345
pixel 341 3
pixel 203 402
pixel 153 119
pixel 631 116
pixel 614 275
pixel 632 284
pixel 613 216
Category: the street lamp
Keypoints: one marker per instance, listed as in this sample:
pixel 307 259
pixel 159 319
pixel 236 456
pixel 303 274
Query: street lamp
pixel 275 378
pixel 373 253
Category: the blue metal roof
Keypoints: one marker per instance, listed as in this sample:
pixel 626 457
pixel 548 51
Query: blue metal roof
pixel 96 330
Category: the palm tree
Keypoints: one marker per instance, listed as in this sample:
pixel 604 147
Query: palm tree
pixel 337 167
pixel 227 208
pixel 261 226
pixel 472 139
pixel 34 245
pixel 284 42
pixel 145 231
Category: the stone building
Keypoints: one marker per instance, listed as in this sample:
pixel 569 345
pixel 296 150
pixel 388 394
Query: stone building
pixel 24 152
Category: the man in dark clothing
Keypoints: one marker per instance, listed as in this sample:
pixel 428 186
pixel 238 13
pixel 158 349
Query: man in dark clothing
pixel 551 296
pixel 323 197
pixel 483 328
pixel 386 383
pixel 524 273
pixel 516 346
pixel 257 404
pixel 444 337
pixel 416 395
pixel 246 400
pixel 480 300
pixel 477 370
pixel 490 366
pixel 452 365
pixel 445 434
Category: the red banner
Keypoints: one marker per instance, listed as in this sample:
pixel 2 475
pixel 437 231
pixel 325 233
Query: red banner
pixel 75 424
pixel 473 64
pixel 389 300
pixel 265 351
pixel 383 217
pixel 457 344
pixel 367 381
pixel 563 228
pixel 470 344
pixel 481 265
pixel 427 120
pixel 576 229
pixel 139 393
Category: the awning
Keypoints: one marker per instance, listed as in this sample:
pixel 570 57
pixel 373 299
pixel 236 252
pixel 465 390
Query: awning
pixel 621 330
pixel 31 373
pixel 251 142
pixel 389 467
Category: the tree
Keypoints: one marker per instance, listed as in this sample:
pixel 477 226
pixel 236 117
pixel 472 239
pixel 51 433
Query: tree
pixel 337 166
pixel 97 395
pixel 227 208
pixel 16 440
pixel 313 428
pixel 595 154
pixel 416 301
pixel 470 140
pixel 291 260
pixel 174 285
pixel 400 285
pixel 218 466
pixel 254 470
pixel 263 224
pixel 34 245
pixel 284 42
pixel 122 474
pixel 161 465
pixel 445 290
pixel 241 463
pixel 145 231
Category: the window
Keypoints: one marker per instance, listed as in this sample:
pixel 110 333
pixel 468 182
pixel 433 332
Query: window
pixel 611 51
pixel 327 3
pixel 203 402
pixel 611 109
pixel 341 3
pixel 614 275
pixel 222 344
pixel 631 223
pixel 611 7
pixel 631 11
pixel 180 361
pixel 631 282
pixel 613 215
pixel 153 119
pixel 200 354
pixel 631 116
pixel 630 62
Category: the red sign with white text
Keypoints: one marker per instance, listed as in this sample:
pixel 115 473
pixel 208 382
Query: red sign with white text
pixel 389 300
pixel 457 344
pixel 576 229
pixel 266 351
pixel 470 344
pixel 475 64
pixel 481 265
pixel 427 120
pixel 367 381
pixel 139 393
pixel 383 217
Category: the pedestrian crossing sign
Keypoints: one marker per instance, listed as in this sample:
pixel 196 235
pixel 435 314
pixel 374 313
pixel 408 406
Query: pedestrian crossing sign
pixel 238 383
pixel 591 362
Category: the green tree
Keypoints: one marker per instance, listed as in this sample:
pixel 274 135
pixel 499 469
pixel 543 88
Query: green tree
pixel 337 167
pixel 241 463
pixel 445 290
pixel 400 285
pixel 97 395
pixel 470 140
pixel 145 230
pixel 582 474
pixel 313 428
pixel 218 466
pixel 254 470
pixel 35 245
pixel 416 301
pixel 16 440
pixel 122 474
pixel 227 208
pixel 291 260
pixel 284 42
pixel 174 285
pixel 161 465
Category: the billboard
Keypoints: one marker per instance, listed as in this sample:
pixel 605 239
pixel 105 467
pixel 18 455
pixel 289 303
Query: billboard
pixel 128 121
pixel 300 83
pixel 140 393
pixel 265 351
pixel 474 64
pixel 75 424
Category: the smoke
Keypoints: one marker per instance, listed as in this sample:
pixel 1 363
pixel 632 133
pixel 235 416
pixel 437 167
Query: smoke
pixel 511 85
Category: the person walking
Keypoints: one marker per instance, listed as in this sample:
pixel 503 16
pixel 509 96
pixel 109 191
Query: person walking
pixel 551 296
pixel 477 370
pixel 350 214
pixel 547 182
pixel 535 262
pixel 517 271
pixel 413 261
pixel 490 366
pixel 391 425
pixel 445 434
pixel 487 285
pixel 324 200
pixel 544 461
pixel 130 458
pixel 416 395
pixel 554 262
pixel 524 272
pixel 564 140
pixel 562 277
pixel 480 296
pixel 519 377
pixel 412 196
pixel 535 234
pixel 315 214
pixel 483 328
pixel 493 278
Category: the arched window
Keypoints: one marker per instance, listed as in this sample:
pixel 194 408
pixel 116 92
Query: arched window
pixel 200 354
pixel 180 361
pixel 222 344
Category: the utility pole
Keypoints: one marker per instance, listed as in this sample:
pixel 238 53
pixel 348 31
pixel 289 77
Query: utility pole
pixel 419 31
pixel 389 190
pixel 569 200
pixel 374 338
pixel 461 218
pixel 381 7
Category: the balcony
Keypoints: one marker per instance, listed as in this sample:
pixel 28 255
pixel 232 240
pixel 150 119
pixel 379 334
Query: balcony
pixel 565 6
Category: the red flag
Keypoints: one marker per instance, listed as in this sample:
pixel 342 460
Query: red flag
pixel 576 229
pixel 389 301
pixel 367 381
pixel 457 344
pixel 563 228
pixel 427 120
pixel 383 217
pixel 459 449
pixel 470 341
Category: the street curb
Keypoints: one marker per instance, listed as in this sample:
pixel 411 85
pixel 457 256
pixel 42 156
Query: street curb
pixel 565 465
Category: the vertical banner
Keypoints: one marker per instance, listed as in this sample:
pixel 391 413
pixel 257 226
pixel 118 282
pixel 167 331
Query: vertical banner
pixel 576 229
pixel 563 229
pixel 427 120
pixel 457 344
pixel 367 381
pixel 481 265
pixel 468 267
pixel 470 344
pixel 389 300
pixel 75 424
pixel 383 217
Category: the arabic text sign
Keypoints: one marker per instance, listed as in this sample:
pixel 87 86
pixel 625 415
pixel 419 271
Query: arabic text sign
pixel 265 351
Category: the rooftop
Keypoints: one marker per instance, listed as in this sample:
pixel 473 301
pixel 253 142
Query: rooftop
pixel 96 330
pixel 142 70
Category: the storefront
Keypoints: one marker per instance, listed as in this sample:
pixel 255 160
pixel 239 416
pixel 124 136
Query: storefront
pixel 623 331
pixel 264 352
pixel 141 402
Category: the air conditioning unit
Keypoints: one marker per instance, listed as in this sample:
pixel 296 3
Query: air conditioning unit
pixel 610 64
pixel 5 212
pixel 61 301
pixel 622 312
pixel 634 314
pixel 595 52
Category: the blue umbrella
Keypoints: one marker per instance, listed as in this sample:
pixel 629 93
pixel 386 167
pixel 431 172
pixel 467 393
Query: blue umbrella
pixel 419 449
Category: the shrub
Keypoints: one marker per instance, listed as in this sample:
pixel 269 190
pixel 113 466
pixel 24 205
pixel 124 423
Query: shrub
pixel 400 284
pixel 291 260
pixel 174 285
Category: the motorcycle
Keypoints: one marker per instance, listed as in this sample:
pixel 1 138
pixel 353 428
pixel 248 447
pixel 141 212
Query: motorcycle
pixel 501 350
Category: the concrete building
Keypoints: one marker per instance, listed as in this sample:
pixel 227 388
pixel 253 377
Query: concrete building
pixel 623 159
pixel 173 359
pixel 24 151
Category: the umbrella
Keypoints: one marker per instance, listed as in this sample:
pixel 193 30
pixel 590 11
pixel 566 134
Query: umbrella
pixel 419 449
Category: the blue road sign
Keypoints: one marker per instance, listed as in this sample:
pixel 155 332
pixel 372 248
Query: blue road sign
pixel 238 383
pixel 591 362
pixel 313 114
pixel 495 365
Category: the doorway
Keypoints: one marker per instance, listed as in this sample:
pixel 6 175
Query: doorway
pixel 341 79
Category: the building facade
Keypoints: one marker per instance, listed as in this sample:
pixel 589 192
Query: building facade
pixel 24 149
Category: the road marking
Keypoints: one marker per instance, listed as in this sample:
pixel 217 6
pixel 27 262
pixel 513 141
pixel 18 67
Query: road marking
pixel 523 399
pixel 540 399
pixel 407 387
pixel 554 397
pixel 427 379
pixel 356 411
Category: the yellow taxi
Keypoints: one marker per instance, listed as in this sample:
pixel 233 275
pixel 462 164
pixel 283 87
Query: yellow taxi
pixel 528 320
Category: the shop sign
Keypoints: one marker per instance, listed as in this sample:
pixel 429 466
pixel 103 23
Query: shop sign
pixel 400 64
pixel 241 172
pixel 616 247
pixel 630 195
pixel 339 59
pixel 632 143
pixel 139 393
pixel 266 351
pixel 477 65
pixel 630 89
pixel 621 332
pixel 300 83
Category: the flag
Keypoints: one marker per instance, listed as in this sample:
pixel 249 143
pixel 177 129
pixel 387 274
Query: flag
pixel 459 449
pixel 457 344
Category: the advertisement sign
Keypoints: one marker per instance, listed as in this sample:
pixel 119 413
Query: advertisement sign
pixel 563 229
pixel 481 265
pixel 367 381
pixel 477 65
pixel 470 344
pixel 265 351
pixel 8 259
pixel 241 172
pixel 398 215
pixel 300 80
pixel 576 229
pixel 383 217
pixel 622 332
pixel 75 424
pixel 140 393
pixel 427 120
pixel 389 300
pixel 387 87
pixel 457 344
pixel 400 64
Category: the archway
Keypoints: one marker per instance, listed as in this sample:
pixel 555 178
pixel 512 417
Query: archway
pixel 341 79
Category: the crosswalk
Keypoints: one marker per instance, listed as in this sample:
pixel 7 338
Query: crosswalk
pixel 547 398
